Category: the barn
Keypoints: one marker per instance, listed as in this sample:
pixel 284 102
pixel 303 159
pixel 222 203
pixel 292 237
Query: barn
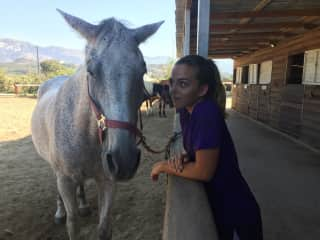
pixel 275 45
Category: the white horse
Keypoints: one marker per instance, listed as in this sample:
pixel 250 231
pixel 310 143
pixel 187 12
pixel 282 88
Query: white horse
pixel 107 88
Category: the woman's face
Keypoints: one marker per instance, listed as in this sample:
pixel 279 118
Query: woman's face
pixel 184 87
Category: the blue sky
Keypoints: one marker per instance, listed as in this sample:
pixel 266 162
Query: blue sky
pixel 38 22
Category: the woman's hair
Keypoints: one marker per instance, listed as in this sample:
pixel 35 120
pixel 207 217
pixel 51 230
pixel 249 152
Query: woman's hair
pixel 207 73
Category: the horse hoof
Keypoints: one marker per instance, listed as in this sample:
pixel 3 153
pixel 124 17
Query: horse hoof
pixel 60 220
pixel 84 212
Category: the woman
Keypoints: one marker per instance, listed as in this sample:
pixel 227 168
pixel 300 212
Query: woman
pixel 211 157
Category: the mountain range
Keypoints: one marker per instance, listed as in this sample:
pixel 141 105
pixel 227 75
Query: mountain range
pixel 11 50
pixel 14 54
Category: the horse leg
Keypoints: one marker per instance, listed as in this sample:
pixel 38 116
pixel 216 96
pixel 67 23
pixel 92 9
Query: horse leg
pixel 84 209
pixel 160 106
pixel 105 191
pixel 67 189
pixel 164 109
pixel 151 110
pixel 147 106
pixel 60 216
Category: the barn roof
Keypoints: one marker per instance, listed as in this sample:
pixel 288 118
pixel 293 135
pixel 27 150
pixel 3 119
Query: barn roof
pixel 240 27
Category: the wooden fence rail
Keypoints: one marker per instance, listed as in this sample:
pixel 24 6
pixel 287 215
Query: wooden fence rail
pixel 16 86
pixel 188 215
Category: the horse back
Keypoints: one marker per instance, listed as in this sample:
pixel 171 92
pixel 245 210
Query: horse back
pixel 42 119
pixel 51 84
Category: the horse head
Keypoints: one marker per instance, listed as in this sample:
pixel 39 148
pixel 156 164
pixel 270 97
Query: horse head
pixel 114 74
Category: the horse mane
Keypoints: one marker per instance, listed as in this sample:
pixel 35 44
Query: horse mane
pixel 110 25
pixel 113 23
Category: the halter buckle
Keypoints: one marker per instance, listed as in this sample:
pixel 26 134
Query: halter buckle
pixel 102 122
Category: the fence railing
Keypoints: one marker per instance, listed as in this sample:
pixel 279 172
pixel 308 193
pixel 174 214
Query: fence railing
pixel 17 87
pixel 188 215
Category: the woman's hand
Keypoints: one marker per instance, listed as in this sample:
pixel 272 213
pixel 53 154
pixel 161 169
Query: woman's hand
pixel 157 169
pixel 177 161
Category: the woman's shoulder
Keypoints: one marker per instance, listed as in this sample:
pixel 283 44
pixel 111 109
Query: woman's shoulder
pixel 207 107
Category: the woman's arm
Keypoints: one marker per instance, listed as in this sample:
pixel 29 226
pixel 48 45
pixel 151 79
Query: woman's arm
pixel 177 152
pixel 202 169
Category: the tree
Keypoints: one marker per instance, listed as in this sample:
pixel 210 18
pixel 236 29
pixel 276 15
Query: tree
pixel 52 68
pixel 167 69
pixel 2 80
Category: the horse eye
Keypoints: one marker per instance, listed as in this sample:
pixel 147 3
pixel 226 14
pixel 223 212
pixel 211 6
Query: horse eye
pixel 91 68
pixel 90 73
pixel 183 84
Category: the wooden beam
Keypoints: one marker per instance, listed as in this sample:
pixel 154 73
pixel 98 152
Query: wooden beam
pixel 251 35
pixel 233 50
pixel 235 43
pixel 240 42
pixel 244 40
pixel 261 5
pixel 226 27
pixel 219 56
pixel 224 55
pixel 264 14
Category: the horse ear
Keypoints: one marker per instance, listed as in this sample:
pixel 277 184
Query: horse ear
pixel 142 33
pixel 87 30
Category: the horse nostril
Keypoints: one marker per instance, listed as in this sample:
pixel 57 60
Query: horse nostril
pixel 111 165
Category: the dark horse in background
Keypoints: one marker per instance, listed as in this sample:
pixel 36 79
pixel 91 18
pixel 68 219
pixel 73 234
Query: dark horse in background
pixel 157 91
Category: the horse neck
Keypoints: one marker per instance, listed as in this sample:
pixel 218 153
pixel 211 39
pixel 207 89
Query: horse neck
pixel 75 91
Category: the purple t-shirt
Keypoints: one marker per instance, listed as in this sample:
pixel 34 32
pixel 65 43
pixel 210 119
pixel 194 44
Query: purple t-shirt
pixel 229 195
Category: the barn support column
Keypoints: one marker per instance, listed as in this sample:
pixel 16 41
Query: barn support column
pixel 203 27
pixel 186 42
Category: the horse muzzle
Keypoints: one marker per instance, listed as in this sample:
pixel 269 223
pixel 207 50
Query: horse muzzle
pixel 121 166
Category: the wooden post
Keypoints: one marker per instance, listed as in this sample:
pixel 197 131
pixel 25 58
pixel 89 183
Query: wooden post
pixel 16 89
pixel 203 27
pixel 38 62
pixel 188 214
pixel 186 42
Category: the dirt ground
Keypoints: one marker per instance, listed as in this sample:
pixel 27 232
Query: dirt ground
pixel 28 187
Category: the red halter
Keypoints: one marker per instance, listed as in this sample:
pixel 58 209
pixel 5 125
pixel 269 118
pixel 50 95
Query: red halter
pixel 104 123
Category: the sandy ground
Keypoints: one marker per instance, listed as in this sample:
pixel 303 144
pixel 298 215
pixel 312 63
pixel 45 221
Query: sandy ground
pixel 283 175
pixel 28 187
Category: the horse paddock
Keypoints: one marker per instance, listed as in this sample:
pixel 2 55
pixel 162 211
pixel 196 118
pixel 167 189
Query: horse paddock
pixel 28 186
